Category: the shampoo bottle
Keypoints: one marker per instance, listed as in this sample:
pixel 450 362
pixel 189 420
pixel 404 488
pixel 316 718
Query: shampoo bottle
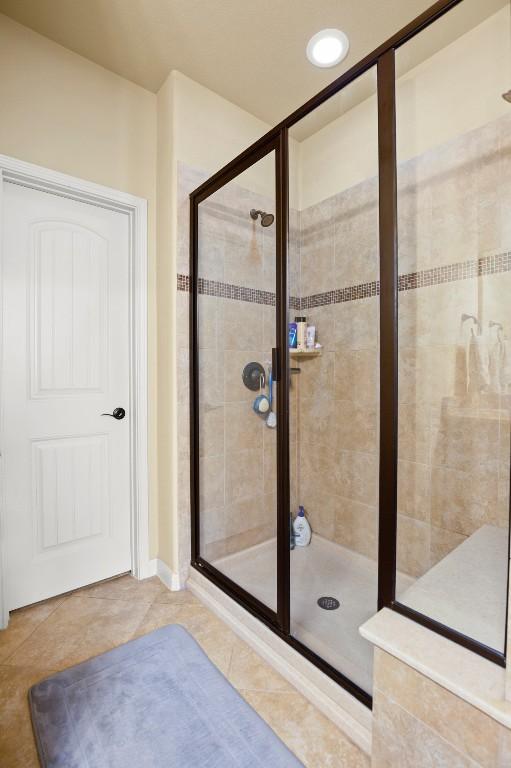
pixel 301 333
pixel 302 529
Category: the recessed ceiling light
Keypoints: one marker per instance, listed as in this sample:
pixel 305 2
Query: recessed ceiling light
pixel 327 48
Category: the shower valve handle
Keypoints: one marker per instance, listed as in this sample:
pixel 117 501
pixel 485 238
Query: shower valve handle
pixel 275 364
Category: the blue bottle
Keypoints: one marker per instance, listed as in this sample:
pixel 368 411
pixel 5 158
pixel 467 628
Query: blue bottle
pixel 293 335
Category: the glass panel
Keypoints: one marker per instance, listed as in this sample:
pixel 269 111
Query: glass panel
pixel 454 206
pixel 334 409
pixel 236 319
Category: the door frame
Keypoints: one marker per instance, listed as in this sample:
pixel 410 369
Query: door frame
pixel 43 179
pixel 277 618
pixel 383 58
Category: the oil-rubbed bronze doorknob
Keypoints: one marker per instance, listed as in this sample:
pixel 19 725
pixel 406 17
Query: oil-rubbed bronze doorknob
pixel 117 413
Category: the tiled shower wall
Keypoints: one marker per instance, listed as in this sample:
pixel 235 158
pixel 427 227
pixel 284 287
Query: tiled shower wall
pixel 337 415
pixel 236 326
pixel 454 236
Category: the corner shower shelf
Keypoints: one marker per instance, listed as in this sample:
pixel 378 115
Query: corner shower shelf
pixel 302 355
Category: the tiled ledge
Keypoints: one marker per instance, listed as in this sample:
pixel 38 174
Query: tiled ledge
pixel 467 675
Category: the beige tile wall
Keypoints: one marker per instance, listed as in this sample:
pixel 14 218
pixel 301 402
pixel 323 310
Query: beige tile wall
pixel 418 724
pixel 454 464
pixel 338 410
pixel 454 205
pixel 238 451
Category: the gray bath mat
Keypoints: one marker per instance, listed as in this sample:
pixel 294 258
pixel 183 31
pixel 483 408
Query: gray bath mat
pixel 155 702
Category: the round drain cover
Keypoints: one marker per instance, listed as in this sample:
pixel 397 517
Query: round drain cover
pixel 328 603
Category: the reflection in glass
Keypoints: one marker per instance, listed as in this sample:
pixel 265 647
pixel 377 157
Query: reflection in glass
pixel 334 414
pixel 236 319
pixel 454 198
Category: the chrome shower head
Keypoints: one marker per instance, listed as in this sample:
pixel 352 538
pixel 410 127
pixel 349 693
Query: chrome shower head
pixel 267 219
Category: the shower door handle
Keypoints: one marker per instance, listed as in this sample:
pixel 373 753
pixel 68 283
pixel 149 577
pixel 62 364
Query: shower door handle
pixel 275 364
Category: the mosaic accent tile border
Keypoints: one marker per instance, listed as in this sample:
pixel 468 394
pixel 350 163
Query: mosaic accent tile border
pixel 340 295
pixel 230 291
pixel 463 270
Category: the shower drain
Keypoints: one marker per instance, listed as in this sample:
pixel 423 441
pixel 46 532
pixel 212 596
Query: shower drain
pixel 328 603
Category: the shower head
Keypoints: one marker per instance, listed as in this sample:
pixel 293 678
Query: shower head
pixel 267 219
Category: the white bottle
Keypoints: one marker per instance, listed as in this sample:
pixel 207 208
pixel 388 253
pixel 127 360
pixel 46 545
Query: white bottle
pixel 301 333
pixel 302 529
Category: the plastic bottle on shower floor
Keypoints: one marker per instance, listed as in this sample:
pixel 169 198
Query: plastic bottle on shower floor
pixel 302 529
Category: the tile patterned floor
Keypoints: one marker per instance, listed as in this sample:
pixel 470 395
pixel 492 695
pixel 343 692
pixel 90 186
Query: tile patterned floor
pixel 65 631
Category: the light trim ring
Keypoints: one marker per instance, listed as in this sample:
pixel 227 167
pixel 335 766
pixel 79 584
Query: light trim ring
pixel 328 48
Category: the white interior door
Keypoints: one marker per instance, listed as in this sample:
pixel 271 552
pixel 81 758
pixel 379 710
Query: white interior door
pixel 65 362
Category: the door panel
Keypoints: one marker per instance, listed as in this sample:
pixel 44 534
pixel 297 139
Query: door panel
pixel 334 270
pixel 70 489
pixel 65 363
pixel 69 275
pixel 236 309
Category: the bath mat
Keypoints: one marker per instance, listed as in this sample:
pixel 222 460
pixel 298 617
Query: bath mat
pixel 155 702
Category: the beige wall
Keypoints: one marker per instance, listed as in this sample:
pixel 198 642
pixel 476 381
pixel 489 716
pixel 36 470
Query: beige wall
pixel 432 110
pixel 63 112
pixel 166 277
pixel 199 129
pixel 210 131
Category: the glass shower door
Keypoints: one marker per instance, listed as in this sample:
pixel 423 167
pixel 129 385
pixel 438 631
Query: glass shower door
pixel 236 324
pixel 334 273
pixel 454 317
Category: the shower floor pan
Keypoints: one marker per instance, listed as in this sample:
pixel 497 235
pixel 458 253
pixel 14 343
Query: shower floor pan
pixel 319 570
pixel 466 590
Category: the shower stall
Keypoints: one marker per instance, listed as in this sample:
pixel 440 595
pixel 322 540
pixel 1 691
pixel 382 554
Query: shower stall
pixel 379 214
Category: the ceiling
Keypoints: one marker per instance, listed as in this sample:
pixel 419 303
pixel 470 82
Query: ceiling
pixel 252 53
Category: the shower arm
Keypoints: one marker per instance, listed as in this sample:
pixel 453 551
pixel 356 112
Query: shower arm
pixel 474 319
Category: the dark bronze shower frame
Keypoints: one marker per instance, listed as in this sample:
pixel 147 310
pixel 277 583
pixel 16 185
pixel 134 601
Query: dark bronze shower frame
pixel 276 140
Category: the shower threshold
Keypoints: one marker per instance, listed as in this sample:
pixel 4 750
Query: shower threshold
pixel 320 569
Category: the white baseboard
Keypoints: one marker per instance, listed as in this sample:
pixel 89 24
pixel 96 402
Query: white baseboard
pixel 157 567
pixel 148 570
pixel 348 714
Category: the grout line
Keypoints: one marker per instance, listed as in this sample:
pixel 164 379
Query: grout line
pixel 113 599
pixel 133 634
pixel 37 626
pixel 229 666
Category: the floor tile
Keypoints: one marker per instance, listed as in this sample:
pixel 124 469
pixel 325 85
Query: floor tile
pixel 248 671
pixel 78 629
pixel 215 638
pixel 151 590
pixel 127 588
pixel 179 597
pixel 60 633
pixel 17 746
pixel 22 623
pixel 310 735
